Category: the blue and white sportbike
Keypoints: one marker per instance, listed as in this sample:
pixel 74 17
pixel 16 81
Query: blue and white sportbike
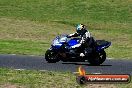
pixel 91 50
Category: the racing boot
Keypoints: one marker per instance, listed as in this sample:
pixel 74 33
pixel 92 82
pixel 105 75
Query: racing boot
pixel 82 55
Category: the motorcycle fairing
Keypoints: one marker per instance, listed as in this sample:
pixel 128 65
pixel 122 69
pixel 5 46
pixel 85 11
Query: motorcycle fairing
pixel 73 41
pixel 102 44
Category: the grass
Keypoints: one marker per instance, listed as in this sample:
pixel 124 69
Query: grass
pixel 46 79
pixel 37 79
pixel 67 10
pixel 38 21
pixel 22 47
pixel 17 35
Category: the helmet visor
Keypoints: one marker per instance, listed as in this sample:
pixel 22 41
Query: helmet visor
pixel 79 28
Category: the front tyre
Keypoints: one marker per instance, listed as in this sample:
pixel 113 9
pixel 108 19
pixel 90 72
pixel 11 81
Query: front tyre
pixel 51 57
pixel 98 58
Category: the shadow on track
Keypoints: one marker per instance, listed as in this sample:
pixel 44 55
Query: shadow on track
pixel 74 63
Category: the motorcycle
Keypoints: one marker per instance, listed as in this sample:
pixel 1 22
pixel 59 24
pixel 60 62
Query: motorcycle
pixel 61 50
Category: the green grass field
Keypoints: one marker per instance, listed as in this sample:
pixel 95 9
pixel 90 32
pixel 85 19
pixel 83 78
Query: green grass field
pixel 37 22
pixel 44 79
pixel 28 26
pixel 10 78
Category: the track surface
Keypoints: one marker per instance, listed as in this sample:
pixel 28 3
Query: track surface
pixel 39 63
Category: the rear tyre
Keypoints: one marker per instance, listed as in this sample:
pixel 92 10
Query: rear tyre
pixel 51 57
pixel 98 58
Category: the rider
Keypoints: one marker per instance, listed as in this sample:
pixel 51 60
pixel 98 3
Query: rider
pixel 83 33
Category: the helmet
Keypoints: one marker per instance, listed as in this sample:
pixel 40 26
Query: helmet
pixel 80 28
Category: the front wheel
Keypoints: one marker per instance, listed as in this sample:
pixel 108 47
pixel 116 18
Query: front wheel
pixel 97 58
pixel 51 57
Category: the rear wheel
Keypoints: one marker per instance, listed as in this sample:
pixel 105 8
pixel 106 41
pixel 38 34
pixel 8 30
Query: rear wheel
pixel 97 58
pixel 51 57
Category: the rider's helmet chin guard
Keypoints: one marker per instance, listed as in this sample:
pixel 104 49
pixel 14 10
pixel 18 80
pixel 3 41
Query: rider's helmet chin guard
pixel 80 28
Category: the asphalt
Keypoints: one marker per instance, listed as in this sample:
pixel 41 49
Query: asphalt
pixel 110 66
